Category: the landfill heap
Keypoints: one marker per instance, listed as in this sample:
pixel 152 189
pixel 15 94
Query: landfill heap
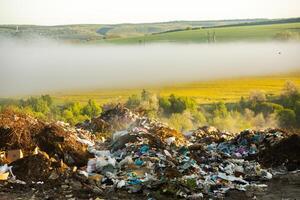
pixel 44 146
pixel 112 119
pixel 147 158
pixel 205 164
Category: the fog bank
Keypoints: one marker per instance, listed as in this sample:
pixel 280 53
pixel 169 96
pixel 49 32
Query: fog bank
pixel 40 67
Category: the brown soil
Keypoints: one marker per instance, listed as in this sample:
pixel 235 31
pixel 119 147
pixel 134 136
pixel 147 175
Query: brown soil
pixel 286 152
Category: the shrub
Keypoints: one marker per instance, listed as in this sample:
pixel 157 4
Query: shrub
pixel 287 118
pixel 91 109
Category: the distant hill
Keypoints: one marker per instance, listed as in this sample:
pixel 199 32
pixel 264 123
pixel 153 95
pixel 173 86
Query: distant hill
pixel 93 32
pixel 229 33
pixel 179 31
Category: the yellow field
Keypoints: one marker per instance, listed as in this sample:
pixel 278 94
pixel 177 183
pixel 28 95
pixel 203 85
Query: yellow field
pixel 227 90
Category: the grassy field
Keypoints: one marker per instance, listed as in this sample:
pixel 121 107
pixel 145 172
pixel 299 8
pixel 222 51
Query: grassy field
pixel 98 32
pixel 223 34
pixel 153 32
pixel 227 90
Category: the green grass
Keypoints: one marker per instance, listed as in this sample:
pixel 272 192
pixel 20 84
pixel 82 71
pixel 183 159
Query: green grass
pixel 227 90
pixel 225 34
pixel 133 33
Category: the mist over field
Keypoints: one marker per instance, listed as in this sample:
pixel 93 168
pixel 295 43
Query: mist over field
pixel 42 66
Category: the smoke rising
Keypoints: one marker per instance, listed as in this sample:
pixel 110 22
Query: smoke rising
pixel 43 66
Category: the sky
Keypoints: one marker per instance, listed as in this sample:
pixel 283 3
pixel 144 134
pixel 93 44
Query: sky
pixel 56 12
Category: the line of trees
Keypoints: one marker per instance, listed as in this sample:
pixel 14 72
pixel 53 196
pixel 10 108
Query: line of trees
pixel 183 113
pixel 43 107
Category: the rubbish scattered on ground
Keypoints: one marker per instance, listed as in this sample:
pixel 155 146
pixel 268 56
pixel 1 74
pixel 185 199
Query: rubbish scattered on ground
pixel 144 156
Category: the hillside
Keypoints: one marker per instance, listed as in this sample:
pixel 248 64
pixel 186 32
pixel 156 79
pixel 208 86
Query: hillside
pixel 103 32
pixel 223 34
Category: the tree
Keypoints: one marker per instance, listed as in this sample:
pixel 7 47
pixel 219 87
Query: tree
pixel 165 105
pixel 68 116
pixel 290 94
pixel 48 99
pixel 297 112
pixel 180 104
pixel 290 89
pixel 287 118
pixel 220 110
pixel 242 103
pixel 91 109
pixel 177 106
pixel 267 108
pixel 257 97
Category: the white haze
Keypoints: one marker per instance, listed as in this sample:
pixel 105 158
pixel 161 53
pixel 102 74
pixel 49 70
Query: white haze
pixel 40 67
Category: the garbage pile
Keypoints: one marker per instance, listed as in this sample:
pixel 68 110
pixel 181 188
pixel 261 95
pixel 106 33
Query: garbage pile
pixel 112 119
pixel 58 139
pixel 208 134
pixel 146 157
pixel 140 159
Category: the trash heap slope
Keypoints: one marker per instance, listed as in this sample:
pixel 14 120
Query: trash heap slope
pixel 20 131
pixel 149 158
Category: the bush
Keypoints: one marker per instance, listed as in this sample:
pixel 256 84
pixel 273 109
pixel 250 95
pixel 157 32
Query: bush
pixel 220 110
pixel 297 112
pixel 267 108
pixel 256 97
pixel 91 109
pixel 287 118
pixel 175 104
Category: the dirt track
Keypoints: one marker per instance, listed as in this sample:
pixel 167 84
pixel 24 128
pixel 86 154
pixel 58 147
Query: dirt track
pixel 280 187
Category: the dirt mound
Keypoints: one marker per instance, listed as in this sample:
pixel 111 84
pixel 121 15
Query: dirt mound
pixel 56 141
pixel 20 131
pixel 286 152
pixel 36 167
pixel 17 131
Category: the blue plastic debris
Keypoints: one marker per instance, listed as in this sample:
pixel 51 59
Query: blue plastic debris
pixel 144 149
pixel 139 162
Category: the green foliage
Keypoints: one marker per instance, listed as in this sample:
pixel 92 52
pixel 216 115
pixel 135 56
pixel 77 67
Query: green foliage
pixel 43 107
pixel 146 102
pixel 175 104
pixel 267 108
pixel 290 95
pixel 223 34
pixel 92 109
pixel 242 103
pixel 220 110
pixel 47 98
pixel 256 97
pixel 297 112
pixel 165 104
pixel 287 118
pixel 182 112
